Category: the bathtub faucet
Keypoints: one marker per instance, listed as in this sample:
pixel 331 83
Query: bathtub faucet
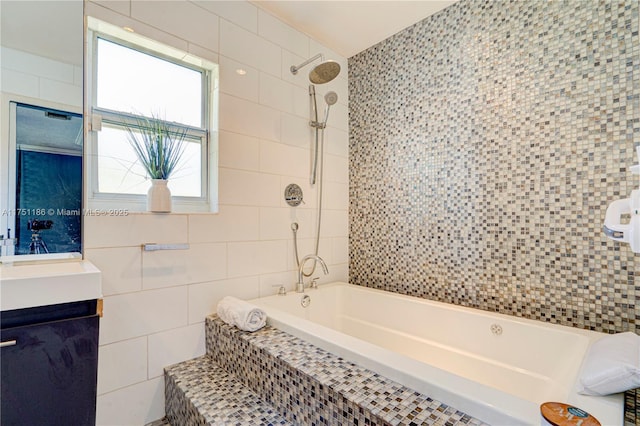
pixel 300 283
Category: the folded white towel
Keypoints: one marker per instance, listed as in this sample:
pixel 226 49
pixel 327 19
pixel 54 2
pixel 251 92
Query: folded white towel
pixel 242 314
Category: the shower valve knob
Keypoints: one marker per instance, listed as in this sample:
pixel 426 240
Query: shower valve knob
pixel 293 195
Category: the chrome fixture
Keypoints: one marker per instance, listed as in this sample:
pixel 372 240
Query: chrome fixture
pixel 300 283
pixel 322 73
pixel 6 243
pixel 282 291
pixel 318 147
pixel 330 98
pixel 314 283
pixel 293 195
pixel 157 247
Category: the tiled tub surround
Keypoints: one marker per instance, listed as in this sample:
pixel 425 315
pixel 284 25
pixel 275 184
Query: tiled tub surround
pixel 632 408
pixel 491 366
pixel 485 144
pixel 310 386
pixel 199 392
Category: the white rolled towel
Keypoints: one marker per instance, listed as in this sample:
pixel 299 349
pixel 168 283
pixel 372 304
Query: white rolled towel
pixel 244 315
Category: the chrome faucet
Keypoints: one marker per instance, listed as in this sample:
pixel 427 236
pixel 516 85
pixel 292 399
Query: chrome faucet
pixel 300 283
pixel 5 243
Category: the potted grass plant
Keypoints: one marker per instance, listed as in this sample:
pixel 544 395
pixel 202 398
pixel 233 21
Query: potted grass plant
pixel 159 146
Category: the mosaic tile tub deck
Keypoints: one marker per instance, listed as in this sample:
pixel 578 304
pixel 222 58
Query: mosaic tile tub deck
pixel 307 385
pixel 310 386
pixel 632 408
pixel 198 392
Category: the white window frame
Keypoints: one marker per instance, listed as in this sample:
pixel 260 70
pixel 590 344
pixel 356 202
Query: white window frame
pixel 208 134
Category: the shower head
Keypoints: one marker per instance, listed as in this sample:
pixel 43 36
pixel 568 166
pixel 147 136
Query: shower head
pixel 331 98
pixel 325 72
pixel 321 73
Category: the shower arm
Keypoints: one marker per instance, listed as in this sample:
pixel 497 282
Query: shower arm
pixel 294 69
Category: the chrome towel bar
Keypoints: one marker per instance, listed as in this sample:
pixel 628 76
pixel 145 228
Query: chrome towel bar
pixel 156 247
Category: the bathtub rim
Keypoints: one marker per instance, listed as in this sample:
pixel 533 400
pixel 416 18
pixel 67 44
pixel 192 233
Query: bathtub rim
pixel 444 386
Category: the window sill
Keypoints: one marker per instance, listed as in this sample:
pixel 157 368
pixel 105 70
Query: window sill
pixel 124 206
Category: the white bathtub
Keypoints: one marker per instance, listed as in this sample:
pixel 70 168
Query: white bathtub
pixel 453 354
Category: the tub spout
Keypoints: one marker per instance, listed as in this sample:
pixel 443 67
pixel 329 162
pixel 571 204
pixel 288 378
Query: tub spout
pixel 300 283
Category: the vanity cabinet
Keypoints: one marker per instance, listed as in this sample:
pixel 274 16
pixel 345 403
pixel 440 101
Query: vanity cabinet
pixel 49 360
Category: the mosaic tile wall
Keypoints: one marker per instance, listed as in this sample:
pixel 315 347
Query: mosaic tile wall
pixel 485 145
pixel 632 408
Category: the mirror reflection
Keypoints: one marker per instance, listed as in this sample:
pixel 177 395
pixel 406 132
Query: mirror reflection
pixel 48 147
pixel 41 127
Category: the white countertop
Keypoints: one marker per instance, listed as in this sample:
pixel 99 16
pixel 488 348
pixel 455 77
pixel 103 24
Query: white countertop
pixel 41 283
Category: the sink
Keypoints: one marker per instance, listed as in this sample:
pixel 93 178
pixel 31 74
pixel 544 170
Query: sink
pixel 30 284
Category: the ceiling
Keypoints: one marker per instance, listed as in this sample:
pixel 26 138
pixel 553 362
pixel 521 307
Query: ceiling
pixel 29 26
pixel 346 27
pixel 349 27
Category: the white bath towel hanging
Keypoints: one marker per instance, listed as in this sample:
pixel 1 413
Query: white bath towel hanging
pixel 242 314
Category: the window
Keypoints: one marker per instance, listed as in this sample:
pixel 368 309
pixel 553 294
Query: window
pixel 132 78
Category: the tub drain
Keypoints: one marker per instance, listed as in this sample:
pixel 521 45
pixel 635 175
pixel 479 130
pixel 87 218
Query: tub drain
pixel 496 329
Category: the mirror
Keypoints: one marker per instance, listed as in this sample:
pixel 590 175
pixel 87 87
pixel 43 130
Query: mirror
pixel 41 141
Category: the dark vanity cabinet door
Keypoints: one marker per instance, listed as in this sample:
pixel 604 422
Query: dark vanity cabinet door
pixel 49 374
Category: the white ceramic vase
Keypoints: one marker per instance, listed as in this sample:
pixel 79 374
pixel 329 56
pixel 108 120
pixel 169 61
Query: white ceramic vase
pixel 159 197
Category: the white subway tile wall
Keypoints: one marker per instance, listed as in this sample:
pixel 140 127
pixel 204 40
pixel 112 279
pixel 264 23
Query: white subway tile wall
pixel 123 364
pixel 54 82
pixel 156 302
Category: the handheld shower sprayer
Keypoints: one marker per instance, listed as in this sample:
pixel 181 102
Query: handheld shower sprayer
pixel 330 98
